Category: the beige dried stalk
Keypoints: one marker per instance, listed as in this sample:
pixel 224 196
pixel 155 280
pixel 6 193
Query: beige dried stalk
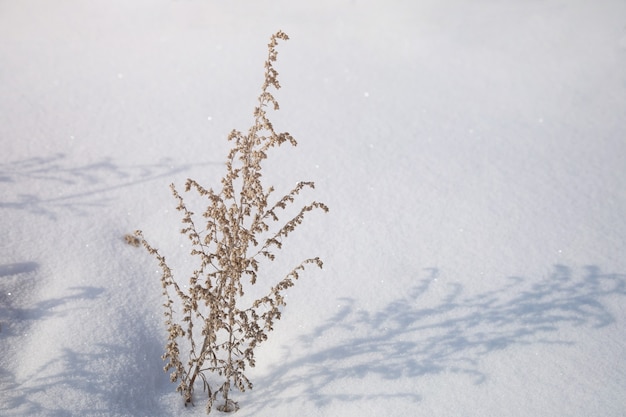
pixel 238 230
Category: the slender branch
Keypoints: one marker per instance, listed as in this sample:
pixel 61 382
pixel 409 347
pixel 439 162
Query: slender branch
pixel 237 219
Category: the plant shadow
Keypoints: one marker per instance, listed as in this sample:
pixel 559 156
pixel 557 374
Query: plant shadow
pixel 73 382
pixel 15 281
pixel 17 313
pixel 86 379
pixel 415 336
pixel 77 189
pixel 18 268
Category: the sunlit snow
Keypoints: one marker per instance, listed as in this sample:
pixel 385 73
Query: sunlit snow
pixel 472 154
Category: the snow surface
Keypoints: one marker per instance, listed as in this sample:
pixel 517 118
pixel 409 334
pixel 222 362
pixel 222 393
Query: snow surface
pixel 472 154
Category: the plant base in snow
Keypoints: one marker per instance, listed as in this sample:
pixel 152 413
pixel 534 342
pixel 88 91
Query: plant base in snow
pixel 228 407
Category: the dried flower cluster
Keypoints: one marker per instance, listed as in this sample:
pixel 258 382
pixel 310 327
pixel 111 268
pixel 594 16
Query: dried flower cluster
pixel 238 230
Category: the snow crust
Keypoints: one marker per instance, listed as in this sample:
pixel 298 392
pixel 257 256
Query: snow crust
pixel 471 153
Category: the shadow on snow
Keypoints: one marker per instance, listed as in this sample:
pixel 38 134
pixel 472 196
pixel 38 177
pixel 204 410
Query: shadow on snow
pixel 407 340
pixel 101 378
pixel 413 336
pixel 75 188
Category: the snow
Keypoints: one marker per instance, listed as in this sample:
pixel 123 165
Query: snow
pixel 471 153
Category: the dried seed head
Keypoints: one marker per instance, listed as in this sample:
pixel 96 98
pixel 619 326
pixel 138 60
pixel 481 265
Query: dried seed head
pixel 239 231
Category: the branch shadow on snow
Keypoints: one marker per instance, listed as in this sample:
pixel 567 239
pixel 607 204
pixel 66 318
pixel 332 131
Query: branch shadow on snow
pixel 18 268
pixel 82 379
pixel 407 339
pixel 76 189
pixel 73 383
pixel 15 281
pixel 17 313
pixel 46 308
pixel 17 316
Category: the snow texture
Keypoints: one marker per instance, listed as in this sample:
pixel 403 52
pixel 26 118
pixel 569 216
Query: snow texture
pixel 472 154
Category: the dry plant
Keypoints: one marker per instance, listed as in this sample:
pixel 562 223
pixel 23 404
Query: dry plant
pixel 240 227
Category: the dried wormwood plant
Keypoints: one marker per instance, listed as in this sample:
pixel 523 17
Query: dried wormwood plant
pixel 239 232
